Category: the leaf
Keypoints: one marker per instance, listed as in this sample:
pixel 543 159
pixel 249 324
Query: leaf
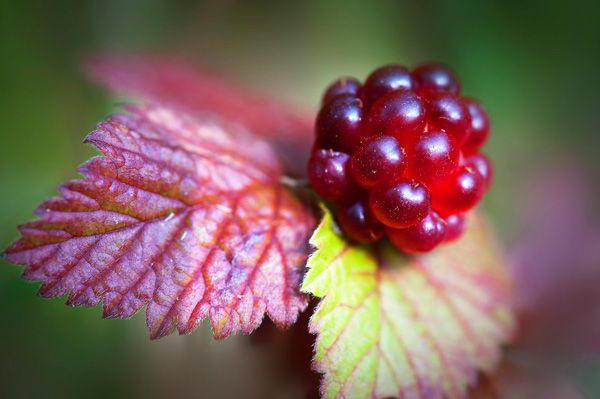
pixel 174 81
pixel 186 217
pixel 394 326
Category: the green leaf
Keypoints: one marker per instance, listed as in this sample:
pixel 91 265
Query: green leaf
pixel 389 325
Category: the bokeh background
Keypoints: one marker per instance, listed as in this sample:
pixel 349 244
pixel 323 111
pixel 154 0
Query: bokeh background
pixel 535 65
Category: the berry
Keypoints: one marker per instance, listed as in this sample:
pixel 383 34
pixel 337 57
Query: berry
pixel 400 114
pixel 482 164
pixel 436 78
pixel 400 204
pixel 459 192
pixel 421 237
pixel 386 80
pixel 379 159
pixel 448 113
pixel 434 156
pixel 338 124
pixel 455 226
pixel 359 224
pixel 328 174
pixel 400 156
pixel 479 130
pixel 346 85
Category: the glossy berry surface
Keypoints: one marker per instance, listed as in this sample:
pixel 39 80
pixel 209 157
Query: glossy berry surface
pixel 379 159
pixel 400 114
pixel 448 113
pixel 455 226
pixel 328 174
pixel 482 164
pixel 479 130
pixel 399 156
pixel 434 156
pixel 386 80
pixel 459 192
pixel 401 203
pixel 420 237
pixel 358 222
pixel 345 85
pixel 338 124
pixel 436 78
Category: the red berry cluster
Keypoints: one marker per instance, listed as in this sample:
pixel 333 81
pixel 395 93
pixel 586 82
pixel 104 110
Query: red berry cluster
pixel 399 156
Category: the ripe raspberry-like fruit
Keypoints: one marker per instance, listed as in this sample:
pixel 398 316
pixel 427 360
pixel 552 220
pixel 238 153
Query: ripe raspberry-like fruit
pixel 359 224
pixel 423 236
pixel 400 114
pixel 379 159
pixel 448 113
pixel 329 176
pixel 339 124
pixel 482 164
pixel 459 192
pixel 386 80
pixel 434 156
pixel 400 203
pixel 345 85
pixel 399 156
pixel 455 225
pixel 435 78
pixel 480 127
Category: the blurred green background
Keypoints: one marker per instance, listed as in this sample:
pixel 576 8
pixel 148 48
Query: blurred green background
pixel 535 66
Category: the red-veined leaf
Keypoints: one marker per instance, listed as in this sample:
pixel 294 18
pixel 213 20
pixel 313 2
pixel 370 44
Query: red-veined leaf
pixel 173 81
pixel 422 327
pixel 185 217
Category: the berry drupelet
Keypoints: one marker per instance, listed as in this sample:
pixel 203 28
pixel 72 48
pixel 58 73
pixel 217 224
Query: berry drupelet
pixel 399 156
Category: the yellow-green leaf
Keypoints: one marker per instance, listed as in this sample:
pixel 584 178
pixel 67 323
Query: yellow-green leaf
pixel 390 325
